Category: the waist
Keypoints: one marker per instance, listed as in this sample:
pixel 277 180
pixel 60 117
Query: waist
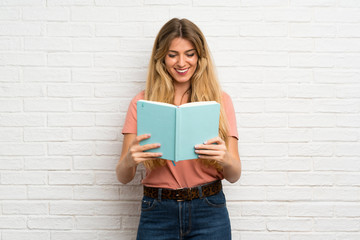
pixel 184 194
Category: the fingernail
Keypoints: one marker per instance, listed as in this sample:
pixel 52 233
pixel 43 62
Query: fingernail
pixel 149 135
pixel 158 145
pixel 196 146
pixel 205 142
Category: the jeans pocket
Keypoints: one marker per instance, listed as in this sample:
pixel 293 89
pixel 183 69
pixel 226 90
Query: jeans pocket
pixel 217 200
pixel 148 203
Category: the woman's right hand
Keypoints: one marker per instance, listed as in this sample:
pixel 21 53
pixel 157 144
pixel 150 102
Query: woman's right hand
pixel 136 153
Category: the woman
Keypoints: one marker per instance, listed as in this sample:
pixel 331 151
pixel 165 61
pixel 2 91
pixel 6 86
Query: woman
pixel 183 201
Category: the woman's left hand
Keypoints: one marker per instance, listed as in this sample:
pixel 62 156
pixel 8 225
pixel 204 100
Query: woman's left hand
pixel 211 151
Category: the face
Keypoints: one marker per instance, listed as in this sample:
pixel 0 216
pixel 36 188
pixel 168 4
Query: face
pixel 181 60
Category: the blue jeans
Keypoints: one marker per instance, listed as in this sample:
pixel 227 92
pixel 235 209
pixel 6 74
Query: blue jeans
pixel 199 219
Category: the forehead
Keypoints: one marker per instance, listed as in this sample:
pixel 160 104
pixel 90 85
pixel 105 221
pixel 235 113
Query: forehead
pixel 180 45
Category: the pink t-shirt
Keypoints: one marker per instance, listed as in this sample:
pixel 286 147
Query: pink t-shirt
pixel 188 173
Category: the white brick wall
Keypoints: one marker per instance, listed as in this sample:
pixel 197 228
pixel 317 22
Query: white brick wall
pixel 68 70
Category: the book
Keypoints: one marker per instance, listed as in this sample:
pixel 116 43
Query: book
pixel 177 128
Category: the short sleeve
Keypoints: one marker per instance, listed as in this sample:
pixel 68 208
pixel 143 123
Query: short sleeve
pixel 230 114
pixel 130 125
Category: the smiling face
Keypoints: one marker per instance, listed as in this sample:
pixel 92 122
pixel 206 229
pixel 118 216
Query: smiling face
pixel 181 60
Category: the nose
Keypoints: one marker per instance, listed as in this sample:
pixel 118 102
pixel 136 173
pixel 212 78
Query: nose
pixel 181 61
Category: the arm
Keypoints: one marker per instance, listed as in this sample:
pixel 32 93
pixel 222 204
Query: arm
pixel 228 158
pixel 132 154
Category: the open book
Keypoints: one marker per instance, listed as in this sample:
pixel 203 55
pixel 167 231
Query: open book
pixel 177 128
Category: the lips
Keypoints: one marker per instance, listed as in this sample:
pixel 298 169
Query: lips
pixel 182 71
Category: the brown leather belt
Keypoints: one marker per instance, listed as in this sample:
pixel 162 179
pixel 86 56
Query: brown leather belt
pixel 184 194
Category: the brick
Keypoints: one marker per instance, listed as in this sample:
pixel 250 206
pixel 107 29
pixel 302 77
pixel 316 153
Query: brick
pixel 119 30
pixel 338 135
pixel 312 30
pixel 288 164
pixel 311 149
pixel 292 14
pixel 336 225
pixel 9 13
pixel 95 45
pixel 50 193
pixel 310 179
pixel 22 149
pixel 46 134
pixel 311 210
pixel 25 208
pixel 349 164
pixel 47 44
pixel 288 194
pixel 33 178
pixel 300 225
pixel 94 76
pixel 290 106
pixel 347 149
pixel 71 178
pixel 46 75
pixel 68 91
pixel 95 162
pixel 25 235
pixel 50 105
pixel 312 120
pixel 107 223
pixel 313 3
pixel 262 120
pixel 64 223
pixel 71 120
pixel 347 210
pixel 13 192
pixel 11 163
pixel 47 163
pixel 69 30
pixel 23 58
pixel 96 193
pixel 74 235
pixel 8 74
pixel 20 29
pixel 9 222
pixel 21 90
pixel 91 14
pixel 11 135
pixel 287 135
pixel 45 14
pixel 263 179
pixel 70 148
pixel 344 194
pixel 261 210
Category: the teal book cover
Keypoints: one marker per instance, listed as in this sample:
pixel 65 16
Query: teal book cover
pixel 177 128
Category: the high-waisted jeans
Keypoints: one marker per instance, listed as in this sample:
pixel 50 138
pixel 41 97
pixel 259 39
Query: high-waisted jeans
pixel 199 219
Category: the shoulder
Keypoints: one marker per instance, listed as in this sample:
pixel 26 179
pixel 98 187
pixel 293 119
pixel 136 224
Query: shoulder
pixel 225 98
pixel 139 96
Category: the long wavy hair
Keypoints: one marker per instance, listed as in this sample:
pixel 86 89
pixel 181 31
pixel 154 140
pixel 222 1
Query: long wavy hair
pixel 204 82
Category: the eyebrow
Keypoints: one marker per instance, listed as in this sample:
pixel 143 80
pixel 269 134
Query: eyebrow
pixel 185 51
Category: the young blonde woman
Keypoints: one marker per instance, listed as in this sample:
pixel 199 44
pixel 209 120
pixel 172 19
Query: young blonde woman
pixel 185 201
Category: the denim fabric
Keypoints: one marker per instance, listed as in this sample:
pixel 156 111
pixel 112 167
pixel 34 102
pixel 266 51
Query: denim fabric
pixel 199 219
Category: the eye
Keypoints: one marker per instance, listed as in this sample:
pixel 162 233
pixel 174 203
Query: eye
pixel 171 55
pixel 191 54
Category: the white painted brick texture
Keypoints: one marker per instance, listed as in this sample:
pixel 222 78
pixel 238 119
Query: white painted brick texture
pixel 68 70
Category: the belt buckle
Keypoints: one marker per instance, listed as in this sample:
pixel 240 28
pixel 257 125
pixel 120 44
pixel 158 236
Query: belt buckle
pixel 186 192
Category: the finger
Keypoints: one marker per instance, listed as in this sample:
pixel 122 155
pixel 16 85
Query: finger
pixel 139 138
pixel 149 146
pixel 210 147
pixel 140 155
pixel 208 152
pixel 217 140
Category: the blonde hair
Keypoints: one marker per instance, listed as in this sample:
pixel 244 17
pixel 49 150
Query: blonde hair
pixel 204 83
